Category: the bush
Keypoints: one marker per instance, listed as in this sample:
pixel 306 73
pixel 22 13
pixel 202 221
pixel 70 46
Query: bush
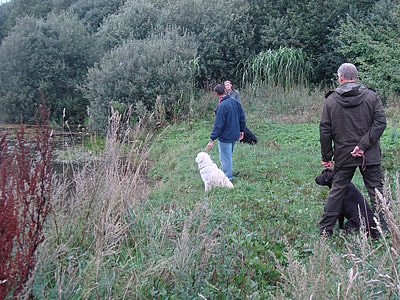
pixel 51 55
pixel 139 71
pixel 92 12
pixel 224 32
pixel 4 15
pixel 26 172
pixel 309 25
pixel 373 45
pixel 136 19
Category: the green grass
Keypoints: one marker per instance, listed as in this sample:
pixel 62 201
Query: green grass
pixel 286 67
pixel 275 199
pixel 168 239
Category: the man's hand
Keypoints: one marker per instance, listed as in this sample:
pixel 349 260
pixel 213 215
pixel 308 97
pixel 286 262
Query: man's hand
pixel 241 136
pixel 327 164
pixel 209 145
pixel 357 152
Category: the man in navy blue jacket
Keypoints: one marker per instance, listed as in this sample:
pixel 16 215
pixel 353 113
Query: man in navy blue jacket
pixel 228 128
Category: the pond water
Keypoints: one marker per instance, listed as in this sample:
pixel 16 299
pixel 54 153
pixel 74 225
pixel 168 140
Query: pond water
pixel 63 139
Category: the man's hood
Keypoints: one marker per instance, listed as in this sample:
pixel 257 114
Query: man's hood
pixel 350 94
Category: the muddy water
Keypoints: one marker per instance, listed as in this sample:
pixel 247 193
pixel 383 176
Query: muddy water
pixel 63 139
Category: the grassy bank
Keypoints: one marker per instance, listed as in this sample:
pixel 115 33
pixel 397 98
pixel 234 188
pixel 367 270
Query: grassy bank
pixel 117 234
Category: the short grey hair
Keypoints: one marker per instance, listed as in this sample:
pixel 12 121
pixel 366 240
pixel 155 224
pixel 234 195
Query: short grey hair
pixel 348 71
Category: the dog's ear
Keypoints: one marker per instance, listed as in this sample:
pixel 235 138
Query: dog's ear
pixel 328 174
pixel 200 156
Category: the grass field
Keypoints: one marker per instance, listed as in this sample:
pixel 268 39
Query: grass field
pixel 139 225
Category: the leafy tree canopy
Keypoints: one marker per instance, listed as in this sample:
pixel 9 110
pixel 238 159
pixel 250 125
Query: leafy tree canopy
pixel 49 54
pixel 139 71
pixel 309 25
pixel 374 45
pixel 136 19
pixel 92 12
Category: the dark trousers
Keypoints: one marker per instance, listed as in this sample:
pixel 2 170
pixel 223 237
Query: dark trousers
pixel 373 179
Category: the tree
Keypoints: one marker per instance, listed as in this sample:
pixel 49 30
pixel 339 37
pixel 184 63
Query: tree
pixel 51 55
pixel 4 15
pixel 223 31
pixel 138 72
pixel 136 19
pixel 93 12
pixel 310 25
pixel 373 44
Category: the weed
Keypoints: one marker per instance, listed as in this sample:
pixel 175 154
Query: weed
pixel 137 223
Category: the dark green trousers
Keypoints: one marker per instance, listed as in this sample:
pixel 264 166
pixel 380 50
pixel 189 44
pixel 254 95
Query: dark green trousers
pixel 373 179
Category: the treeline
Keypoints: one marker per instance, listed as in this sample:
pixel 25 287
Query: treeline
pixel 85 55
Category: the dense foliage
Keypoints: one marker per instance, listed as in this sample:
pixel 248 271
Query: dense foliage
pixel 374 45
pixel 44 55
pixel 228 35
pixel 138 72
pixel 92 12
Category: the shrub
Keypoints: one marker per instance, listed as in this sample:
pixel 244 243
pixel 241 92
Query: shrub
pixel 139 71
pixel 50 54
pixel 136 19
pixel 373 45
pixel 309 25
pixel 223 30
pixel 92 12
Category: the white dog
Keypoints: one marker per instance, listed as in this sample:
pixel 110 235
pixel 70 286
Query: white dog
pixel 211 175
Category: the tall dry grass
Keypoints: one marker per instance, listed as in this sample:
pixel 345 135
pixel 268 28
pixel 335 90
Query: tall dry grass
pixel 89 226
pixel 106 241
pixel 359 269
pixel 183 251
pixel 297 105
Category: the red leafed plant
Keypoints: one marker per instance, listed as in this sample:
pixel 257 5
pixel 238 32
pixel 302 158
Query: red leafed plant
pixel 25 188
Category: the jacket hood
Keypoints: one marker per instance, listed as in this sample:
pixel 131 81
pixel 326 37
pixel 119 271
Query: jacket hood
pixel 350 94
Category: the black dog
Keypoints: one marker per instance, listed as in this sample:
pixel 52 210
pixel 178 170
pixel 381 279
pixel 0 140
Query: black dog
pixel 353 205
pixel 249 137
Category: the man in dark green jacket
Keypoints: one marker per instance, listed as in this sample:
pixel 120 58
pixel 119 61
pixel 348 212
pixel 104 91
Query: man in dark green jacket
pixel 354 120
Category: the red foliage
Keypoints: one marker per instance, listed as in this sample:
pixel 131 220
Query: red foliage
pixel 25 188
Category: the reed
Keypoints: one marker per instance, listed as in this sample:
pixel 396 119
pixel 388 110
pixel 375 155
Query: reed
pixel 90 221
pixel 285 67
